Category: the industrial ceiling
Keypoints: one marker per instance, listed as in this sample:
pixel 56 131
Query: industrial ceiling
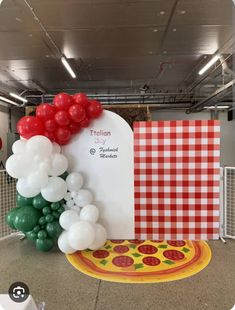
pixel 117 47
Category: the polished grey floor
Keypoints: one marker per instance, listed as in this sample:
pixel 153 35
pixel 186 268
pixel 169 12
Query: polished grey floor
pixel 53 280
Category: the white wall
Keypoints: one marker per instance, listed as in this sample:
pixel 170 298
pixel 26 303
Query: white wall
pixel 227 130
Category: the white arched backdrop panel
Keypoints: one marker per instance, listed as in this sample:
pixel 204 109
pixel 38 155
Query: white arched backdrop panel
pixel 103 152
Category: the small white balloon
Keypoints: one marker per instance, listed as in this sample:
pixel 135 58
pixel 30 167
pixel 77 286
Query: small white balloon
pixel 19 146
pixel 74 181
pixel 68 218
pixel 63 243
pixel 55 190
pixel 59 164
pixel 38 179
pixel 67 196
pixel 83 198
pixel 56 148
pixel 89 213
pixel 18 166
pixel 39 145
pixel 25 189
pixel 81 235
pixel 100 237
pixel 70 203
pixel 74 194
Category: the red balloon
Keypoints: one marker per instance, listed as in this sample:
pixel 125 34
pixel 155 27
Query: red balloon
pixel 49 135
pixel 63 101
pixel 77 113
pixel 50 125
pixel 81 99
pixel 62 118
pixel 62 135
pixel 45 111
pixel 85 122
pixel 74 127
pixel 29 126
pixel 94 109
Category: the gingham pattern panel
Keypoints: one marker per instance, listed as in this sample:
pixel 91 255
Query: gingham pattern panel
pixel 177 178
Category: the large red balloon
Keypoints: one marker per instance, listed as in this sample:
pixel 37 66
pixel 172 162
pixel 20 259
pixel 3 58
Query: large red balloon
pixel 94 109
pixel 45 111
pixel 62 135
pixel 49 135
pixel 81 99
pixel 63 101
pixel 50 125
pixel 29 126
pixel 85 122
pixel 62 118
pixel 77 113
pixel 74 127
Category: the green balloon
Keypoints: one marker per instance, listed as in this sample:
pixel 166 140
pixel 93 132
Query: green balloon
pixel 23 201
pixel 42 234
pixel 61 210
pixel 10 217
pixel 54 229
pixel 49 218
pixel 64 175
pixel 44 245
pixel 36 229
pixel 31 235
pixel 26 218
pixel 46 210
pixel 42 220
pixel 56 214
pixel 55 206
pixel 39 202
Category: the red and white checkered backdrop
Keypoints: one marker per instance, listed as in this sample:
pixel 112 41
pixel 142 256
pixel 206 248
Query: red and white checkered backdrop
pixel 177 179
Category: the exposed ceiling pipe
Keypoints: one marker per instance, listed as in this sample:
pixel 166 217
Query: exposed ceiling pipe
pixel 218 92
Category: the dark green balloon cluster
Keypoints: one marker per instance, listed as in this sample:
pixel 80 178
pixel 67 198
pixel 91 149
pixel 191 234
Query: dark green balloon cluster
pixel 38 219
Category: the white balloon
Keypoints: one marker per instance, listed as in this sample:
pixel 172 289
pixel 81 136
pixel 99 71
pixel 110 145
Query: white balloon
pixel 55 190
pixel 89 213
pixel 81 235
pixel 45 165
pixel 63 243
pixel 68 218
pixel 59 164
pixel 56 148
pixel 100 237
pixel 83 198
pixel 19 146
pixel 67 196
pixel 25 189
pixel 18 166
pixel 39 145
pixel 38 179
pixel 74 194
pixel 70 203
pixel 74 181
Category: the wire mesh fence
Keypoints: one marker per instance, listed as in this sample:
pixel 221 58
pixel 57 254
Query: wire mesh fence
pixel 7 200
pixel 230 201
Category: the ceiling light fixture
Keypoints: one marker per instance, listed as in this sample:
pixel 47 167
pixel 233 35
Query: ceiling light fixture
pixel 1 2
pixel 218 107
pixel 18 97
pixel 9 101
pixel 68 67
pixel 209 64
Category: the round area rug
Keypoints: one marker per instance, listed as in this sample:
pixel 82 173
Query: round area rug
pixel 138 261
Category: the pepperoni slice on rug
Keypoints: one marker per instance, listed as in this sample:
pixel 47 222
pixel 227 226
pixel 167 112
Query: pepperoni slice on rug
pixel 123 261
pixel 121 249
pixel 136 241
pixel 117 241
pixel 100 254
pixel 173 254
pixel 177 243
pixel 151 261
pixel 147 249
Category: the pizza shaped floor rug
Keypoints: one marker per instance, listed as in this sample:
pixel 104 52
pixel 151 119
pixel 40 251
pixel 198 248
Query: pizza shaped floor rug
pixel 137 261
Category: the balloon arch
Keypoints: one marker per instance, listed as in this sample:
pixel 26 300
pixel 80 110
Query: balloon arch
pixel 52 204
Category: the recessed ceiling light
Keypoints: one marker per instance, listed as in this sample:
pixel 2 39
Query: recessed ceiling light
pixel 155 30
pixel 68 67
pixel 164 52
pixel 182 12
pixel 162 12
pixel 174 29
pixel 218 107
pixel 150 52
pixel 18 19
pixel 209 64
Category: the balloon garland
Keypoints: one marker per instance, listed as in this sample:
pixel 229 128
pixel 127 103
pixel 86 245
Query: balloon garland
pixel 49 199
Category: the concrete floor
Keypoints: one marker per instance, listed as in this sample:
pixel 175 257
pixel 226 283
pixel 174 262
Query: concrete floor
pixel 52 279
